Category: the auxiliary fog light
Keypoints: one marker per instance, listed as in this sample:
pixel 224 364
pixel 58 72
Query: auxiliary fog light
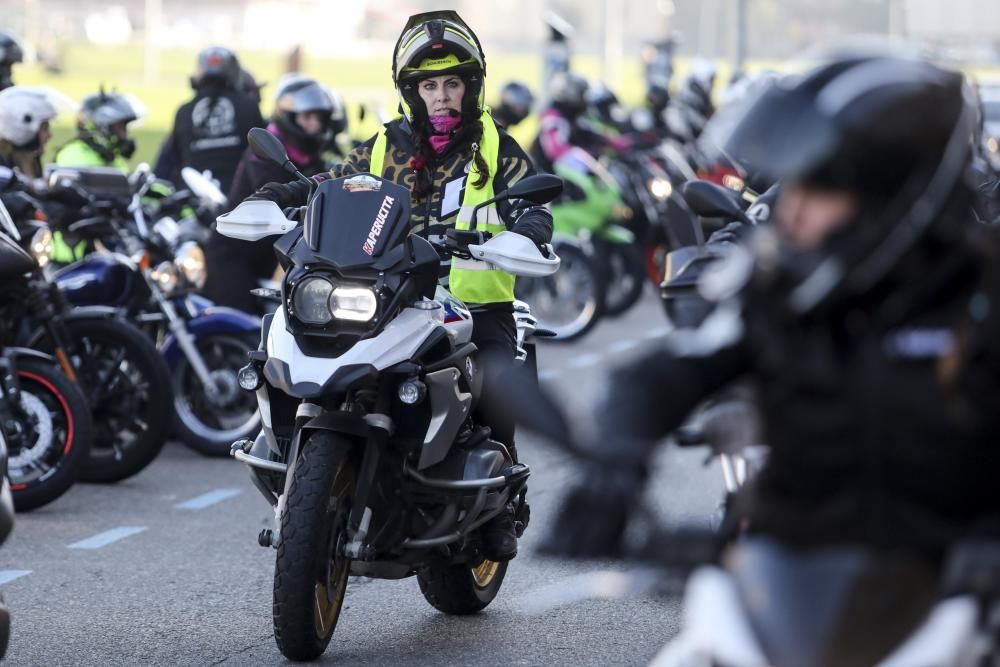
pixel 249 377
pixel 412 391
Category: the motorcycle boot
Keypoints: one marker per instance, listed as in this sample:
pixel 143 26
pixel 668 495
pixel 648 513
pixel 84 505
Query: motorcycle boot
pixel 500 533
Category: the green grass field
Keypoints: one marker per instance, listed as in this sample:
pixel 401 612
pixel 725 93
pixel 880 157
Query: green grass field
pixel 361 82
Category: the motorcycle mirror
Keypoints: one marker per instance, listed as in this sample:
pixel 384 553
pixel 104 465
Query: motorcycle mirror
pixel 268 147
pixel 538 189
pixel 712 201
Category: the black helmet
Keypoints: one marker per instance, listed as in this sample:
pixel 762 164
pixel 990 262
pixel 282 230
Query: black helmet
pixel 603 101
pixel 434 44
pixel 248 85
pixel 10 54
pixel 98 114
pixel 657 97
pixel 297 94
pixel 568 92
pixel 895 131
pixel 217 65
pixel 516 102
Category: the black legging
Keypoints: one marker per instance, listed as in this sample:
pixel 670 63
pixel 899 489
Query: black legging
pixel 494 334
pixel 234 268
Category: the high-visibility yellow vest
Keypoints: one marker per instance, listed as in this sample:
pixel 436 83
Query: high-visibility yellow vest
pixel 470 280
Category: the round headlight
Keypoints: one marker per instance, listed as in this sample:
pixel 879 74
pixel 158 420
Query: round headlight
pixel 660 188
pixel 41 246
pixel 190 260
pixel 165 275
pixel 311 301
pixel 353 303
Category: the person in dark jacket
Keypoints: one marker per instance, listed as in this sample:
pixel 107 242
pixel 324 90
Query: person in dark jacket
pixel 210 131
pixel 11 54
pixel 448 150
pixel 868 316
pixel 306 116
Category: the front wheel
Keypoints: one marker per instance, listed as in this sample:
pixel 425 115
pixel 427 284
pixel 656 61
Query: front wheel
pixel 625 276
pixel 127 386
pixel 48 434
pixel 210 423
pixel 459 589
pixel 571 301
pixel 310 575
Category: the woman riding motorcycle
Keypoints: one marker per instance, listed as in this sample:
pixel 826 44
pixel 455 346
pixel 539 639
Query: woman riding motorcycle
pixel 448 150
pixel 306 116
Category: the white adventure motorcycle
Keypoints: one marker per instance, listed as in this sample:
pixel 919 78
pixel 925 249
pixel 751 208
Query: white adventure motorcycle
pixel 367 383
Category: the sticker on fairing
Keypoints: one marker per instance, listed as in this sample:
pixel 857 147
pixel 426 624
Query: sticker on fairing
pixel 363 183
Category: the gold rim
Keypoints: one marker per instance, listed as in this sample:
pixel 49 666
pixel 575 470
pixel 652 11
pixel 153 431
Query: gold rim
pixel 484 573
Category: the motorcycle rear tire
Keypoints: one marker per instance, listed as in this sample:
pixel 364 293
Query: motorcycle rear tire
pixel 36 376
pixel 309 584
pixel 460 590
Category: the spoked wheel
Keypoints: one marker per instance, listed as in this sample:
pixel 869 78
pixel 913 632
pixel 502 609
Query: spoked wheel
pixel 570 301
pixel 624 274
pixel 48 434
pixel 127 386
pixel 310 574
pixel 210 422
pixel 460 589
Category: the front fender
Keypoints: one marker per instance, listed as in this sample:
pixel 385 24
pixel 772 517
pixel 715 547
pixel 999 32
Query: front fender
pixel 214 321
pixel 93 312
pixel 20 352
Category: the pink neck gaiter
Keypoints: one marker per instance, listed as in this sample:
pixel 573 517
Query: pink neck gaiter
pixel 444 125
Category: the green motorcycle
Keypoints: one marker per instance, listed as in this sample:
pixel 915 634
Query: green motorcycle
pixel 586 238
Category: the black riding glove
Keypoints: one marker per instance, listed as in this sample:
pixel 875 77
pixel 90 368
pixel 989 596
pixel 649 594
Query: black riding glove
pixel 534 223
pixel 282 194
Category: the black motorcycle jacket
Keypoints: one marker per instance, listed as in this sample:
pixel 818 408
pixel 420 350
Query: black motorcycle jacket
pixel 439 211
pixel 210 132
pixel 880 413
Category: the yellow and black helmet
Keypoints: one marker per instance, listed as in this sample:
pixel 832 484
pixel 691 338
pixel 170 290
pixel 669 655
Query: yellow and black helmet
pixel 433 44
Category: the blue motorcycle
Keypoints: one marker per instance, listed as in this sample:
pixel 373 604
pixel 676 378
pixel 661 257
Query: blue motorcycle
pixel 152 272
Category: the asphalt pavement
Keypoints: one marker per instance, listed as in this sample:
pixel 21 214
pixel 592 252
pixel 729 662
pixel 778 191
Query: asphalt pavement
pixel 164 568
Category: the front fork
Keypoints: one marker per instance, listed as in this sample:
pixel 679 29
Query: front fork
pixel 186 341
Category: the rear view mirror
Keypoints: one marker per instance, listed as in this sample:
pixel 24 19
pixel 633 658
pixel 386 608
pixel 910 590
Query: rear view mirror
pixel 254 220
pixel 266 146
pixel 712 201
pixel 538 189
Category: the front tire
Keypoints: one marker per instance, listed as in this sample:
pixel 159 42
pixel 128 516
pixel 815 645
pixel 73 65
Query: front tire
pixel 571 301
pixel 50 445
pixel 127 386
pixel 310 579
pixel 461 590
pixel 211 425
pixel 624 276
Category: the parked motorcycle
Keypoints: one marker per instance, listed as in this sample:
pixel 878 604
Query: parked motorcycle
pixel 570 302
pixel 366 383
pixel 6 526
pixel 118 369
pixel 154 279
pixel 43 414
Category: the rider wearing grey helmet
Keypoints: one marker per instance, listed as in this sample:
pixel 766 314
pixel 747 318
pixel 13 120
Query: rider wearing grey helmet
pixel 102 138
pixel 306 117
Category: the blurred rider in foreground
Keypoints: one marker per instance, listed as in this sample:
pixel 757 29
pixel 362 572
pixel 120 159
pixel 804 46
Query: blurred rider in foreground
pixel 868 315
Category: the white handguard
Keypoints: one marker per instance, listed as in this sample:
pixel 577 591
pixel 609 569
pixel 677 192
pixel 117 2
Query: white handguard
pixel 516 254
pixel 254 220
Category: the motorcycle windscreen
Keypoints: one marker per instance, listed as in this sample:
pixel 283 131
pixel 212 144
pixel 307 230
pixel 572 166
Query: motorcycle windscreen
pixel 353 220
pixel 831 607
